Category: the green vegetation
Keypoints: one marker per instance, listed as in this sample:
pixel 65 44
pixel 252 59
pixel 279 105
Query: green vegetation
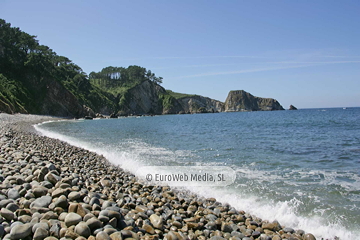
pixel 29 70
pixel 179 95
pixel 33 78
pixel 117 80
pixel 9 90
pixel 167 101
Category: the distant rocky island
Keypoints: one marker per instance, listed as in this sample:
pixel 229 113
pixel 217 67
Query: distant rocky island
pixel 35 80
pixel 244 101
pixel 292 107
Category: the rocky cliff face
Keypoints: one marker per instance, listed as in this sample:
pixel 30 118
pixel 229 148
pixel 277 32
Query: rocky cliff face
pixel 243 101
pixel 150 98
pixel 144 99
pixel 58 101
pixel 196 104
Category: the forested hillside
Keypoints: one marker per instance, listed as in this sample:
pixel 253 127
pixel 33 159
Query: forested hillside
pixel 34 79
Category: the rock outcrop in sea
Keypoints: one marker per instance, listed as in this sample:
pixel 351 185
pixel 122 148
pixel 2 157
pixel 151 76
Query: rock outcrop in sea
pixel 292 107
pixel 241 100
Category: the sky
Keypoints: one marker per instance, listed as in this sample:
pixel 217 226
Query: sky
pixel 304 53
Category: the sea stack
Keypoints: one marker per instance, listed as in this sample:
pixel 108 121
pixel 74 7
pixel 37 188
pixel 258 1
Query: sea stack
pixel 292 107
pixel 241 100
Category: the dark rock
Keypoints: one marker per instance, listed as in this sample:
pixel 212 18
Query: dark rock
pixel 12 207
pixel 2 231
pixel 61 202
pixel 94 200
pixel 292 107
pixel 113 115
pixel 256 234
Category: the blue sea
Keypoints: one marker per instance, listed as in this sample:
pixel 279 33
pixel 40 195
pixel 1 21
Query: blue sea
pixel 301 167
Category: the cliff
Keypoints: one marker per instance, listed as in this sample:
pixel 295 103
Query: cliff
pixel 241 100
pixel 58 101
pixel 148 98
pixel 200 104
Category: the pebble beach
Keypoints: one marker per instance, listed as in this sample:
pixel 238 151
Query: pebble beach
pixel 52 190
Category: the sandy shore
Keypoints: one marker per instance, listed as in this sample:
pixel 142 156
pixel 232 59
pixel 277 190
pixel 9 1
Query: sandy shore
pixel 52 190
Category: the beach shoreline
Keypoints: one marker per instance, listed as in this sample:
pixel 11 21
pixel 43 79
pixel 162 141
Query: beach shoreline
pixel 52 190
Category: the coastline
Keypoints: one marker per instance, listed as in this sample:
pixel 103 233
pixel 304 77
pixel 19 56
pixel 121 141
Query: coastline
pixel 60 191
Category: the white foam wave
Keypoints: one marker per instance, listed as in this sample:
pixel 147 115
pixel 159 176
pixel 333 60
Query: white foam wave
pixel 285 212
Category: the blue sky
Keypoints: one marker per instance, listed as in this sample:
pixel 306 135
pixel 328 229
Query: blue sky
pixel 305 53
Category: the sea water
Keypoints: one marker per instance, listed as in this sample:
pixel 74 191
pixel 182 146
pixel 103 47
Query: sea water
pixel 301 167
